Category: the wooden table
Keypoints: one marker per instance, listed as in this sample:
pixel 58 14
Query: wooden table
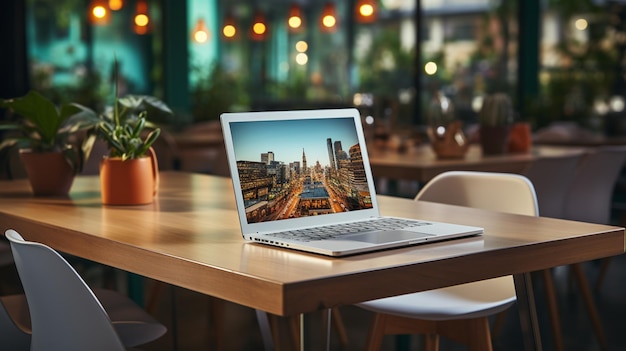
pixel 421 164
pixel 190 237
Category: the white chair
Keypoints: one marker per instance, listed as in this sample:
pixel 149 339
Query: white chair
pixel 65 314
pixel 458 312
pixel 589 196
pixel 589 199
pixel 552 177
pixel 13 335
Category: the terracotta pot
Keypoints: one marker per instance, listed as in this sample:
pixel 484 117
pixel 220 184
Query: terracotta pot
pixel 520 138
pixel 130 182
pixel 49 173
pixel 494 140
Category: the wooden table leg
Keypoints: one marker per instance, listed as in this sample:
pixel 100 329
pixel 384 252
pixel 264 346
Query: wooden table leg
pixel 527 311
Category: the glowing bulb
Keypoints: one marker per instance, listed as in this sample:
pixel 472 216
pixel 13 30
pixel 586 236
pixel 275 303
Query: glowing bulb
pixel 294 22
pixel 115 5
pixel 229 31
pixel 302 59
pixel 430 68
pixel 99 11
pixel 366 10
pixel 329 21
pixel 302 46
pixel 259 28
pixel 201 36
pixel 142 20
pixel 581 24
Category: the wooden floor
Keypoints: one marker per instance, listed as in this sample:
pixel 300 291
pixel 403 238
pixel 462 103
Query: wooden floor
pixel 203 323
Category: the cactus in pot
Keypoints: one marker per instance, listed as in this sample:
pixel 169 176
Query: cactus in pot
pixel 495 117
pixel 497 110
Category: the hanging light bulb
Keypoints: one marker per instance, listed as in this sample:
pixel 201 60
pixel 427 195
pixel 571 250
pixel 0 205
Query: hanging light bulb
pixel 141 20
pixel 259 27
pixel 116 5
pixel 99 12
pixel 366 11
pixel 200 33
pixel 328 20
pixel 295 19
pixel 229 30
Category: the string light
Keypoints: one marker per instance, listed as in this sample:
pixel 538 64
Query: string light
pixel 365 11
pixel 116 5
pixel 295 19
pixel 99 12
pixel 229 30
pixel 328 20
pixel 259 27
pixel 200 33
pixel 141 20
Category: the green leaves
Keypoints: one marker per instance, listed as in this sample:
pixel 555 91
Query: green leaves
pixel 43 127
pixel 40 113
pixel 125 128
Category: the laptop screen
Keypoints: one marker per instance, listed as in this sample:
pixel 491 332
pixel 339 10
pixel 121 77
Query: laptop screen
pixel 291 168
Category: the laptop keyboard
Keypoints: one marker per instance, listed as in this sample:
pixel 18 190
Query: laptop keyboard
pixel 337 230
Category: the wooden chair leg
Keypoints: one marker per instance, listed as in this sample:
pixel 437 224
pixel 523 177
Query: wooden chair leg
pixel 498 323
pixel 553 309
pixel 153 296
pixel 590 304
pixel 376 332
pixel 604 267
pixel 431 342
pixel 339 326
pixel 479 338
pixel 474 332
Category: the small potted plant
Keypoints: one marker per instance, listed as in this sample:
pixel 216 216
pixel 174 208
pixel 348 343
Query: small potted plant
pixel 49 138
pixel 129 174
pixel 495 118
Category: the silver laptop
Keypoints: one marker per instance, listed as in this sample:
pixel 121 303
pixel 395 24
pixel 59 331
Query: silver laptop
pixel 302 181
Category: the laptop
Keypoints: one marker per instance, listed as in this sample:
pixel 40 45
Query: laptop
pixel 303 181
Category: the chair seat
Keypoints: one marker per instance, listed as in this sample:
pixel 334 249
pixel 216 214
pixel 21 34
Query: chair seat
pixel 133 324
pixel 471 300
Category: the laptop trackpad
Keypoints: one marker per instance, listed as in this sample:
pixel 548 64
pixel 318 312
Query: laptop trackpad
pixel 386 236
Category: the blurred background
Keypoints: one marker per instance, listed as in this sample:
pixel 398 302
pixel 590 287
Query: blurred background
pixel 559 60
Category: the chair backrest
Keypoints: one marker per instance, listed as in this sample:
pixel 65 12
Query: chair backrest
pixel 589 196
pixel 552 178
pixel 65 314
pixel 503 192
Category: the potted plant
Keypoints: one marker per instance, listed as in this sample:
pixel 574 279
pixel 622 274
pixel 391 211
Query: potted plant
pixel 129 174
pixel 495 118
pixel 445 131
pixel 48 137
